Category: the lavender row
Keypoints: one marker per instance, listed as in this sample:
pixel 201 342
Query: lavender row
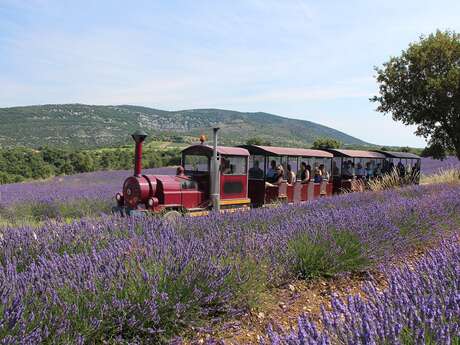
pixel 432 166
pixel 126 281
pixel 101 185
pixel 421 305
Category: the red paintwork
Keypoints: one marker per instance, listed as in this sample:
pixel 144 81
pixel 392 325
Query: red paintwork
pixel 330 189
pixel 317 190
pixel 138 159
pixel 242 179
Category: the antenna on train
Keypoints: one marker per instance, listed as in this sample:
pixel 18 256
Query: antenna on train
pixel 215 167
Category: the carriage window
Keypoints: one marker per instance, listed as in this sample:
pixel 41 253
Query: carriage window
pixel 233 165
pixel 196 163
pixel 256 170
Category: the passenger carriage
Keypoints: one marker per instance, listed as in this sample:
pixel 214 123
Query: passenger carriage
pixel 346 163
pixel 261 157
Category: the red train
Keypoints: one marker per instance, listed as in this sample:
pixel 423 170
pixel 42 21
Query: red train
pixel 220 177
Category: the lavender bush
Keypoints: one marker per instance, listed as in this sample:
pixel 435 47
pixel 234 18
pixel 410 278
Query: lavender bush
pixel 123 281
pixel 421 305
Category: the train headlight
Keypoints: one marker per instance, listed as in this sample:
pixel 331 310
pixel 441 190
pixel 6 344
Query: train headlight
pixel 119 197
pixel 150 202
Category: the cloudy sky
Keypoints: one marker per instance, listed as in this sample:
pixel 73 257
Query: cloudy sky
pixel 310 60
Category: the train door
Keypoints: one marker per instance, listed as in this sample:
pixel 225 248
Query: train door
pixel 233 177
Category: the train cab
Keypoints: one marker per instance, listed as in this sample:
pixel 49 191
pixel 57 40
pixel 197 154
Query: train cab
pixel 263 159
pixel 350 165
pixel 232 175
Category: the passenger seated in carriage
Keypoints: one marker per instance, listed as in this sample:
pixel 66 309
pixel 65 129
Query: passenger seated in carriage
pixel 348 170
pixel 401 169
pixel 304 172
pixel 318 176
pixel 324 173
pixel 360 172
pixel 256 172
pixel 369 171
pixel 272 172
pixel 378 171
pixel 291 178
pixel 279 177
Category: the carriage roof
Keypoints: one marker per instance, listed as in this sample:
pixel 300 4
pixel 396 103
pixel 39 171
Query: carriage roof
pixel 285 151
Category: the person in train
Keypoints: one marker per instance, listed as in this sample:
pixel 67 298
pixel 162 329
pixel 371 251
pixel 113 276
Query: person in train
pixel 256 172
pixel 225 166
pixel 271 173
pixel 348 170
pixel 291 178
pixel 278 179
pixel 324 173
pixel 318 176
pixel 304 173
pixel 369 171
pixel 180 171
pixel 360 172
pixel 378 171
pixel 401 169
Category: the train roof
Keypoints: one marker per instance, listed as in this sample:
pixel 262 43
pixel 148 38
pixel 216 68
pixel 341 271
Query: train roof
pixel 393 154
pixel 222 150
pixel 285 151
pixel 357 153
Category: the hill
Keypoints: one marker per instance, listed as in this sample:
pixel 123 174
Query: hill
pixel 90 126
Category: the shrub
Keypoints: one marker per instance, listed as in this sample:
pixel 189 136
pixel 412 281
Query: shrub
pixel 326 255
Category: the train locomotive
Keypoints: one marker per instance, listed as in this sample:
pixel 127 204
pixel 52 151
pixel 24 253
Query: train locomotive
pixel 213 177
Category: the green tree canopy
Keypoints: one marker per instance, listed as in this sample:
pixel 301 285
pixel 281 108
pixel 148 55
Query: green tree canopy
pixel 258 141
pixel 422 87
pixel 326 143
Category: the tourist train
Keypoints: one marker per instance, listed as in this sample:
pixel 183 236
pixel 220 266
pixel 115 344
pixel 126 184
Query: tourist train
pixel 213 177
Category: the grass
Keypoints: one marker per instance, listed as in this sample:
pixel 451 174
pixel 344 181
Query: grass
pixel 326 256
pixel 35 213
pixel 442 176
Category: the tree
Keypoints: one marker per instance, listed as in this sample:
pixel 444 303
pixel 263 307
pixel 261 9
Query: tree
pixel 257 141
pixel 326 143
pixel 422 87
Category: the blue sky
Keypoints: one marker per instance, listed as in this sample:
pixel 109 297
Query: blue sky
pixel 310 60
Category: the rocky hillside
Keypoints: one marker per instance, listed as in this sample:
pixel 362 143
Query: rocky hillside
pixel 88 126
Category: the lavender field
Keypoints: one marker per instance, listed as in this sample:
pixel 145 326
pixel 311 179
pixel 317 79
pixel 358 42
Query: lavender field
pixel 123 281
pixel 432 166
pixel 86 194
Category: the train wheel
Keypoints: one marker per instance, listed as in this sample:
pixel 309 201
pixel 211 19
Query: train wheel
pixel 172 216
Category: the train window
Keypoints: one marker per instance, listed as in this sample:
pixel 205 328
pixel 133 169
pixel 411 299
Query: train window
pixel 256 170
pixel 196 163
pixel 233 165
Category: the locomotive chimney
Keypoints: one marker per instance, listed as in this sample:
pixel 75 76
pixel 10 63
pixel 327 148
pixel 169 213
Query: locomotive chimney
pixel 215 187
pixel 139 137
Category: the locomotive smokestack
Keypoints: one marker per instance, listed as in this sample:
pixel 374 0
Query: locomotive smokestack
pixel 139 137
pixel 215 187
